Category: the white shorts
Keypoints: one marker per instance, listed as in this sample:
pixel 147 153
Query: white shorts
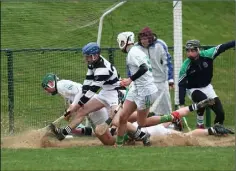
pixel 142 102
pixel 162 105
pixel 208 91
pixel 108 98
pixel 156 130
pixel 99 117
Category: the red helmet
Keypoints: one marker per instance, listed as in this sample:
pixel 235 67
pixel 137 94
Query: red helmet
pixel 146 32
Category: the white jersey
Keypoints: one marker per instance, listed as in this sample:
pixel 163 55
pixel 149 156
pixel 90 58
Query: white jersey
pixel 160 59
pixel 71 91
pixel 157 130
pixel 144 85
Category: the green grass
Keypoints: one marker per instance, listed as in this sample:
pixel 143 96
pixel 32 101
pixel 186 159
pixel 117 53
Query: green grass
pixel 62 25
pixel 126 158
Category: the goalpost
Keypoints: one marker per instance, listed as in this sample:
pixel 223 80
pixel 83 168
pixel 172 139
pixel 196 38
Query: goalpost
pixel 178 45
pixel 101 20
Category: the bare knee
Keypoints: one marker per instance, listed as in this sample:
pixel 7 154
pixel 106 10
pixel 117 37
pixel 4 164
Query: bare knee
pixel 107 139
pixel 142 123
pixel 123 119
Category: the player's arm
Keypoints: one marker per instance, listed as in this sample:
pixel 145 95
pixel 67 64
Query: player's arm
pixel 100 77
pixel 183 82
pixel 88 80
pixel 216 51
pixel 142 69
pixel 223 47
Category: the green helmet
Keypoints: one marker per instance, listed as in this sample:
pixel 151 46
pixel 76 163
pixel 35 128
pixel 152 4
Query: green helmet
pixel 192 44
pixel 50 77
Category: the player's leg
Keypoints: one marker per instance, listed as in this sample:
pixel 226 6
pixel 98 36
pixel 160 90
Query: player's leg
pixel 133 117
pixel 197 96
pixel 92 105
pixel 143 105
pixel 219 111
pixel 128 108
pixel 79 131
pixel 217 130
pixel 99 117
pixel 176 115
pixel 107 138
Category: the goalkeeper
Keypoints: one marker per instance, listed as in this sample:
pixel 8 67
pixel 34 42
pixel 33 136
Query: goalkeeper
pixel 196 74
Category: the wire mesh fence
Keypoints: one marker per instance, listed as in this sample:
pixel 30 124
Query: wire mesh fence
pixel 24 104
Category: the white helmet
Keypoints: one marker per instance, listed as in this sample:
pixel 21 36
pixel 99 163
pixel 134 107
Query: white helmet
pixel 124 39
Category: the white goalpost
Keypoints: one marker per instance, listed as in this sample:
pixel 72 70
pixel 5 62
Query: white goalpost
pixel 178 45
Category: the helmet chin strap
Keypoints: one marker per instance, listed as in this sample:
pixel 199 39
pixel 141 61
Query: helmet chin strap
pixel 55 92
pixel 124 49
pixel 93 58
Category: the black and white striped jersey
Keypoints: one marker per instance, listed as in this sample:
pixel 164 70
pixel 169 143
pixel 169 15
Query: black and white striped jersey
pixel 103 75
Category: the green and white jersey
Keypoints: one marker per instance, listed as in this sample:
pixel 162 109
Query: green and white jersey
pixel 198 73
pixel 144 84
pixel 71 91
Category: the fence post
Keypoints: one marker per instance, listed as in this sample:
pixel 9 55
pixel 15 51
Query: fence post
pixel 9 54
pixel 111 55
pixel 208 117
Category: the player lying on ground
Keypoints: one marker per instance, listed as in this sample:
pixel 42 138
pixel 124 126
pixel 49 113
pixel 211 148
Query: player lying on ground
pixel 215 130
pixel 161 129
pixel 72 92
pixel 108 139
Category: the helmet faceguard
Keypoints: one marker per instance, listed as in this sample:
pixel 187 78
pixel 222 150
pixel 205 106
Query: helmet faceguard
pixel 146 32
pixel 124 39
pixel 49 83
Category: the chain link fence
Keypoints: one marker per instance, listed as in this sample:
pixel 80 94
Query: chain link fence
pixel 24 104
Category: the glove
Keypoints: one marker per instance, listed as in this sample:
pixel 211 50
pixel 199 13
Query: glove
pixel 171 83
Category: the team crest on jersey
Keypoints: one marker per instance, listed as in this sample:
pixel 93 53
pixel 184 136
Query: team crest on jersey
pixel 96 77
pixel 205 65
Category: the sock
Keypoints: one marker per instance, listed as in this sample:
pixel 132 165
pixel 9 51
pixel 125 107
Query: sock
pixel 108 121
pixel 119 140
pixel 87 131
pixel 166 118
pixel 126 137
pixel 211 131
pixel 112 131
pixel 66 130
pixel 200 120
pixel 150 114
pixel 137 133
pixel 192 107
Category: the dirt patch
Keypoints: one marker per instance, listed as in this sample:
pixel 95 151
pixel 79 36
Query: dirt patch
pixel 38 139
pixel 188 140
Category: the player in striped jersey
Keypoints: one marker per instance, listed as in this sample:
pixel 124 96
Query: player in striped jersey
pixel 102 75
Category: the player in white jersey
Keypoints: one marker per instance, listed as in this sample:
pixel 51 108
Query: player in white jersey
pixel 101 75
pixel 143 92
pixel 72 92
pixel 160 58
pixel 160 129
